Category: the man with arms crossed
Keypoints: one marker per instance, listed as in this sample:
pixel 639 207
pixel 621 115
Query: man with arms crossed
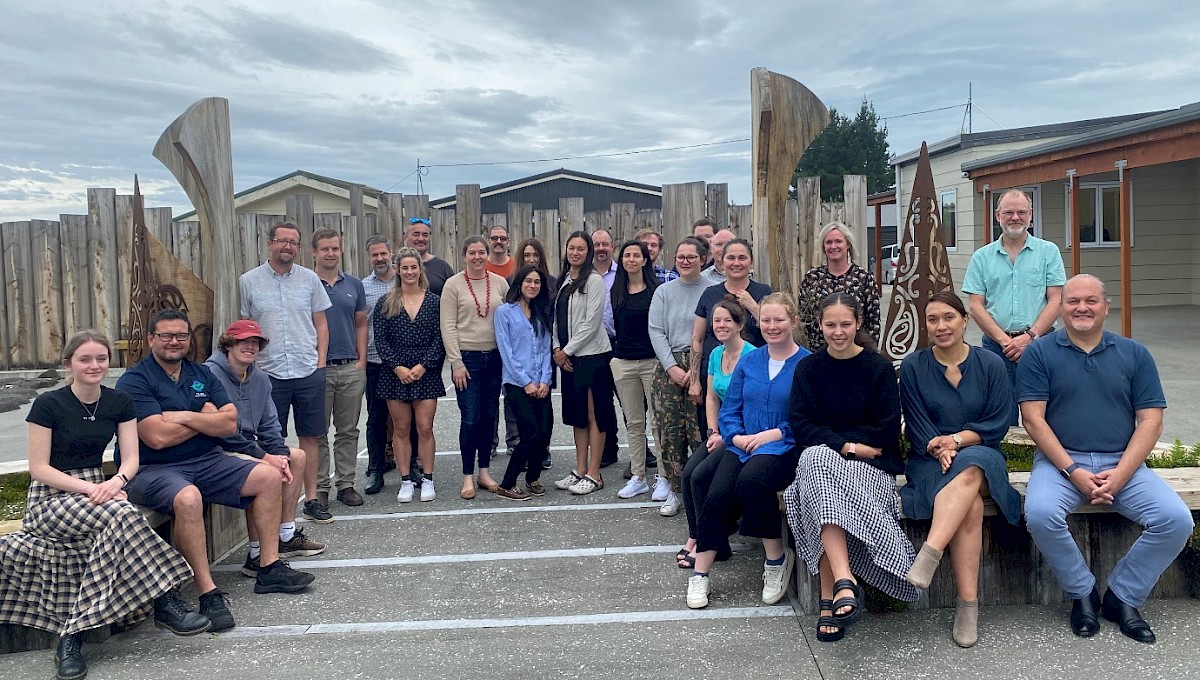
pixel 1093 404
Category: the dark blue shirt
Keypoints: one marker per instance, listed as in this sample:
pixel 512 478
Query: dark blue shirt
pixel 348 297
pixel 153 392
pixel 1091 397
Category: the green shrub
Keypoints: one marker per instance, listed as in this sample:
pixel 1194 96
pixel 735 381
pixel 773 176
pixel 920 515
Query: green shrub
pixel 1178 456
pixel 13 490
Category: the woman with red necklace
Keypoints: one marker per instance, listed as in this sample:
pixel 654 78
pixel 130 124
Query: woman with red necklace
pixel 468 305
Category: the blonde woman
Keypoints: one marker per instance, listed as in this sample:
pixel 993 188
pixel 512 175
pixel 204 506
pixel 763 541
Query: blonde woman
pixel 839 274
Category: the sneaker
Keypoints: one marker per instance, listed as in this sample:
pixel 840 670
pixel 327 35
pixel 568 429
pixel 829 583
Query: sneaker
pixel 280 578
pixel 697 592
pixel 662 489
pixel 250 566
pixel 69 657
pixel 405 494
pixel 536 488
pixel 513 494
pixel 584 486
pixel 673 505
pixel 636 486
pixel 172 613
pixel 313 511
pixel 300 546
pixel 215 605
pixel 427 491
pixel 546 464
pixel 777 577
pixel 568 481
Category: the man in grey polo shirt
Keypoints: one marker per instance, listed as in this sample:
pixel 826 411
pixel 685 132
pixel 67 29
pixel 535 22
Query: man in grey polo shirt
pixel 376 285
pixel 288 302
pixel 345 366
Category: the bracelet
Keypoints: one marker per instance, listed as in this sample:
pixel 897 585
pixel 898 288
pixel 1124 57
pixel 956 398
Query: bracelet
pixel 124 479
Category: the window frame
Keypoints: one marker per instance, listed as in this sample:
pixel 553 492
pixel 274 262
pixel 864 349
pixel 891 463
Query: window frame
pixel 953 231
pixel 1098 206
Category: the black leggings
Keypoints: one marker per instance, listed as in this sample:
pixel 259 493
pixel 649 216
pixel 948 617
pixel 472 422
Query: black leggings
pixel 750 488
pixel 535 424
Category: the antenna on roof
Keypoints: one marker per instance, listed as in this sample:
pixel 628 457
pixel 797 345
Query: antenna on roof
pixel 968 113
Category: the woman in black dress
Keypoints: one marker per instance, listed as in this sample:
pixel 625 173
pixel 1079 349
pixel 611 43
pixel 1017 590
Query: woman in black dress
pixel 409 339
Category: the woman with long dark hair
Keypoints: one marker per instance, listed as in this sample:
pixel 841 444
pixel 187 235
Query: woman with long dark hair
pixel 582 351
pixel 633 361
pixel 531 252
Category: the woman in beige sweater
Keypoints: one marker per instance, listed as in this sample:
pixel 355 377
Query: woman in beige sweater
pixel 468 306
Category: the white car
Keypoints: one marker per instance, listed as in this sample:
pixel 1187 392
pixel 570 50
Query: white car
pixel 891 255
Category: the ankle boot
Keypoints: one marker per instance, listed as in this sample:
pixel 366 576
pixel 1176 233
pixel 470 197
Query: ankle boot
pixel 71 664
pixel 921 572
pixel 966 623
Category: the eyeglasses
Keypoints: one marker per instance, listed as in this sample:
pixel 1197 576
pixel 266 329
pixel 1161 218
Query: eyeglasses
pixel 498 239
pixel 418 220
pixel 177 337
pixel 1009 214
pixel 686 258
pixel 286 242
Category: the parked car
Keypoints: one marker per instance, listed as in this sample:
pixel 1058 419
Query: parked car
pixel 891 256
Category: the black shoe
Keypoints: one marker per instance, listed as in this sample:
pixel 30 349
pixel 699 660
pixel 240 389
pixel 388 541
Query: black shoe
pixel 280 578
pixel 314 511
pixel 172 613
pixel 546 463
pixel 374 483
pixel 69 657
pixel 605 462
pixel 651 461
pixel 250 566
pixel 349 497
pixel 1132 624
pixel 215 605
pixel 1085 620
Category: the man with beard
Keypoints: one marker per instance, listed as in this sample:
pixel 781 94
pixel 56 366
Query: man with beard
pixel 376 285
pixel 437 270
pixel 1015 285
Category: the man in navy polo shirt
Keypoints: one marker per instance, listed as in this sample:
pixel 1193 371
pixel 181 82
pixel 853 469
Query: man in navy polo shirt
pixel 183 411
pixel 1092 402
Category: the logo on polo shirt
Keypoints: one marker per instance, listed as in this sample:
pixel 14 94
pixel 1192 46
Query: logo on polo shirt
pixel 198 388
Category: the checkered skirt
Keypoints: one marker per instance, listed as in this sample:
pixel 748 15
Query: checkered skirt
pixel 861 499
pixel 75 565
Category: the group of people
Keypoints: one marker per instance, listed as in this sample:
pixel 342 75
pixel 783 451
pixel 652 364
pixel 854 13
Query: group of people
pixel 702 354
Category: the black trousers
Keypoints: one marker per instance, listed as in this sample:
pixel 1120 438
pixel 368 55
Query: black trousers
pixel 750 487
pixel 377 421
pixel 535 425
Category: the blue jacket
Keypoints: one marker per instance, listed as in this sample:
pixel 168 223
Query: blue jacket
pixel 525 357
pixel 259 431
pixel 754 403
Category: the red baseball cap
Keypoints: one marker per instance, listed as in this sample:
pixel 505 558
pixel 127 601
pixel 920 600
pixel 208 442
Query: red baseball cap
pixel 244 329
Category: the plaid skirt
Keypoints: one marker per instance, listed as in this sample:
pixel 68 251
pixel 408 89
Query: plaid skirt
pixel 862 500
pixel 76 565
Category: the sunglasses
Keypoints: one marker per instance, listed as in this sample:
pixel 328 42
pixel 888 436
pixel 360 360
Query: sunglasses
pixel 418 220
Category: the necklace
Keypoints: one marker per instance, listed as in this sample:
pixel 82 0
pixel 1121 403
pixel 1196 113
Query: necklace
pixel 91 414
pixel 487 305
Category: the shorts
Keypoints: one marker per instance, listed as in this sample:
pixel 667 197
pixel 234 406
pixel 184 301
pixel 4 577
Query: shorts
pixel 307 395
pixel 219 478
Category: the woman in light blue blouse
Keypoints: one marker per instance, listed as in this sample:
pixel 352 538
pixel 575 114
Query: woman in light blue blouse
pixel 523 326
pixel 761 458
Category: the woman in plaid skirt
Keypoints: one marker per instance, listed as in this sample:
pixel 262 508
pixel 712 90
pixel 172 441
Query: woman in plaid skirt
pixel 85 557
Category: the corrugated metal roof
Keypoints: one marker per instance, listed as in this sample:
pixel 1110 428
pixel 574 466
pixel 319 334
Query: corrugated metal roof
pixel 550 175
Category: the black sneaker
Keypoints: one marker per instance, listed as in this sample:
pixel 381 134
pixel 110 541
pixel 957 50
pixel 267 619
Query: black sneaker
pixel 172 613
pixel 314 512
pixel 546 464
pixel 215 605
pixel 280 578
pixel 299 546
pixel 250 566
pixel 69 657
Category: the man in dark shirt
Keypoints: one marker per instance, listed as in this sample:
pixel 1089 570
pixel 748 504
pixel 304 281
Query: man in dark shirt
pixel 183 411
pixel 437 270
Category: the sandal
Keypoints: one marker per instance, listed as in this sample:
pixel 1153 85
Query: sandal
pixel 854 601
pixel 829 622
pixel 684 559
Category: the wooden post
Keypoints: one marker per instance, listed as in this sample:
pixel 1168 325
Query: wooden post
pixel 854 188
pixel 356 200
pixel 808 200
pixel 446 243
pixel 391 220
pixel 570 217
pixel 683 204
pixel 718 204
pixel 353 256
pixel 299 209
pixel 987 214
pixel 102 236
pixel 6 290
pixel 77 313
pixel 123 211
pixel 18 286
pixel 621 219
pixel 251 243
pixel 741 220
pixel 547 230
pixel 520 226
pixel 879 246
pixel 467 210
pixel 1073 188
pixel 47 291
pixel 598 219
pixel 1125 205
pixel 187 243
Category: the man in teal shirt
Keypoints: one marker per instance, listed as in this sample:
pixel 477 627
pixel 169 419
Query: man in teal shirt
pixel 1015 285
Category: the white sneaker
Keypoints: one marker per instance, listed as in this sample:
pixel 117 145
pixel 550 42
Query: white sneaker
pixel 697 592
pixel 427 492
pixel 776 578
pixel 662 489
pixel 636 486
pixel 568 481
pixel 673 505
pixel 406 492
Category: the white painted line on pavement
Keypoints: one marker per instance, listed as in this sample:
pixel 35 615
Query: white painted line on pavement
pixel 496 511
pixel 563 447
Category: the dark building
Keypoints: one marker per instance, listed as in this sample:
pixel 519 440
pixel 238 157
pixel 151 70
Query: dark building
pixel 544 190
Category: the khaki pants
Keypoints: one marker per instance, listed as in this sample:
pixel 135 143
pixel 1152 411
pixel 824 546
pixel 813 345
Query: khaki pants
pixel 633 380
pixel 345 385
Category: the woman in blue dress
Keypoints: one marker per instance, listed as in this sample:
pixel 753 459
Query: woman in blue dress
pixel 956 400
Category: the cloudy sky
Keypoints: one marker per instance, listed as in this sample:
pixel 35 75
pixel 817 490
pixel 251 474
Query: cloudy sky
pixel 360 89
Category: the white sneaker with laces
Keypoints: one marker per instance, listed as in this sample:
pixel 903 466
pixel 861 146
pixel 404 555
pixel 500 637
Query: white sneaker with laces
pixel 636 486
pixel 673 505
pixel 697 592
pixel 777 577
pixel 662 489
pixel 406 492
pixel 427 492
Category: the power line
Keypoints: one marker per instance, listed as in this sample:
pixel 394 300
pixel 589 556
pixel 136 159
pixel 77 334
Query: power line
pixel 917 113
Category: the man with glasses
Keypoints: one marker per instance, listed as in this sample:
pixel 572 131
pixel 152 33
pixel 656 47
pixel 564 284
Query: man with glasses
pixel 1015 285
pixel 498 261
pixel 288 302
pixel 437 270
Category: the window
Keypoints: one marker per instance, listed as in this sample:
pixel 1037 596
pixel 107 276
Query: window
pixel 1099 214
pixel 949 232
pixel 1035 199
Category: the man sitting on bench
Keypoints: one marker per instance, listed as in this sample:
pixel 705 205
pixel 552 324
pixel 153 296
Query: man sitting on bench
pixel 1092 402
pixel 182 412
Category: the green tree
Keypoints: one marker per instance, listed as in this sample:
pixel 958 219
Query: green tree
pixel 847 146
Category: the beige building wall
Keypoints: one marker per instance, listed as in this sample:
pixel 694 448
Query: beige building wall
pixel 323 202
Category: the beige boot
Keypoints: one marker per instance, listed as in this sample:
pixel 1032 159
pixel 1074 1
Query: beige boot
pixel 966 623
pixel 921 572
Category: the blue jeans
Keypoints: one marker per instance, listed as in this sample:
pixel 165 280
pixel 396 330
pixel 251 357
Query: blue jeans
pixel 1146 499
pixel 479 405
pixel 991 345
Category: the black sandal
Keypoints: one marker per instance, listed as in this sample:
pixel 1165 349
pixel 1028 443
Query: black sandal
pixel 829 622
pixel 854 601
pixel 684 559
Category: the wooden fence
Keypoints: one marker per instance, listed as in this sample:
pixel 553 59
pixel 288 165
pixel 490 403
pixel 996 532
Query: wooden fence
pixel 63 276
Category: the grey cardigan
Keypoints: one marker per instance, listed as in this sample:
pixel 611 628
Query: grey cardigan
pixel 585 318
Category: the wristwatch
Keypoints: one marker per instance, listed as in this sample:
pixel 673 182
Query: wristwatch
pixel 1031 334
pixel 851 453
pixel 957 441
pixel 1066 472
pixel 710 432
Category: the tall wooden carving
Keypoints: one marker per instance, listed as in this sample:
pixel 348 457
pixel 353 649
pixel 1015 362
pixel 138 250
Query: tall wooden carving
pixel 785 118
pixel 922 268
pixel 196 149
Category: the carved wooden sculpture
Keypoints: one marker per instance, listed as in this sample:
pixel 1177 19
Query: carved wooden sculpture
pixel 922 268
pixel 786 118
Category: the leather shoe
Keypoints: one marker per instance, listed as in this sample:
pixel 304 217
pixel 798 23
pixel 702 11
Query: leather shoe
pixel 1132 624
pixel 1085 621
pixel 374 484
pixel 348 496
